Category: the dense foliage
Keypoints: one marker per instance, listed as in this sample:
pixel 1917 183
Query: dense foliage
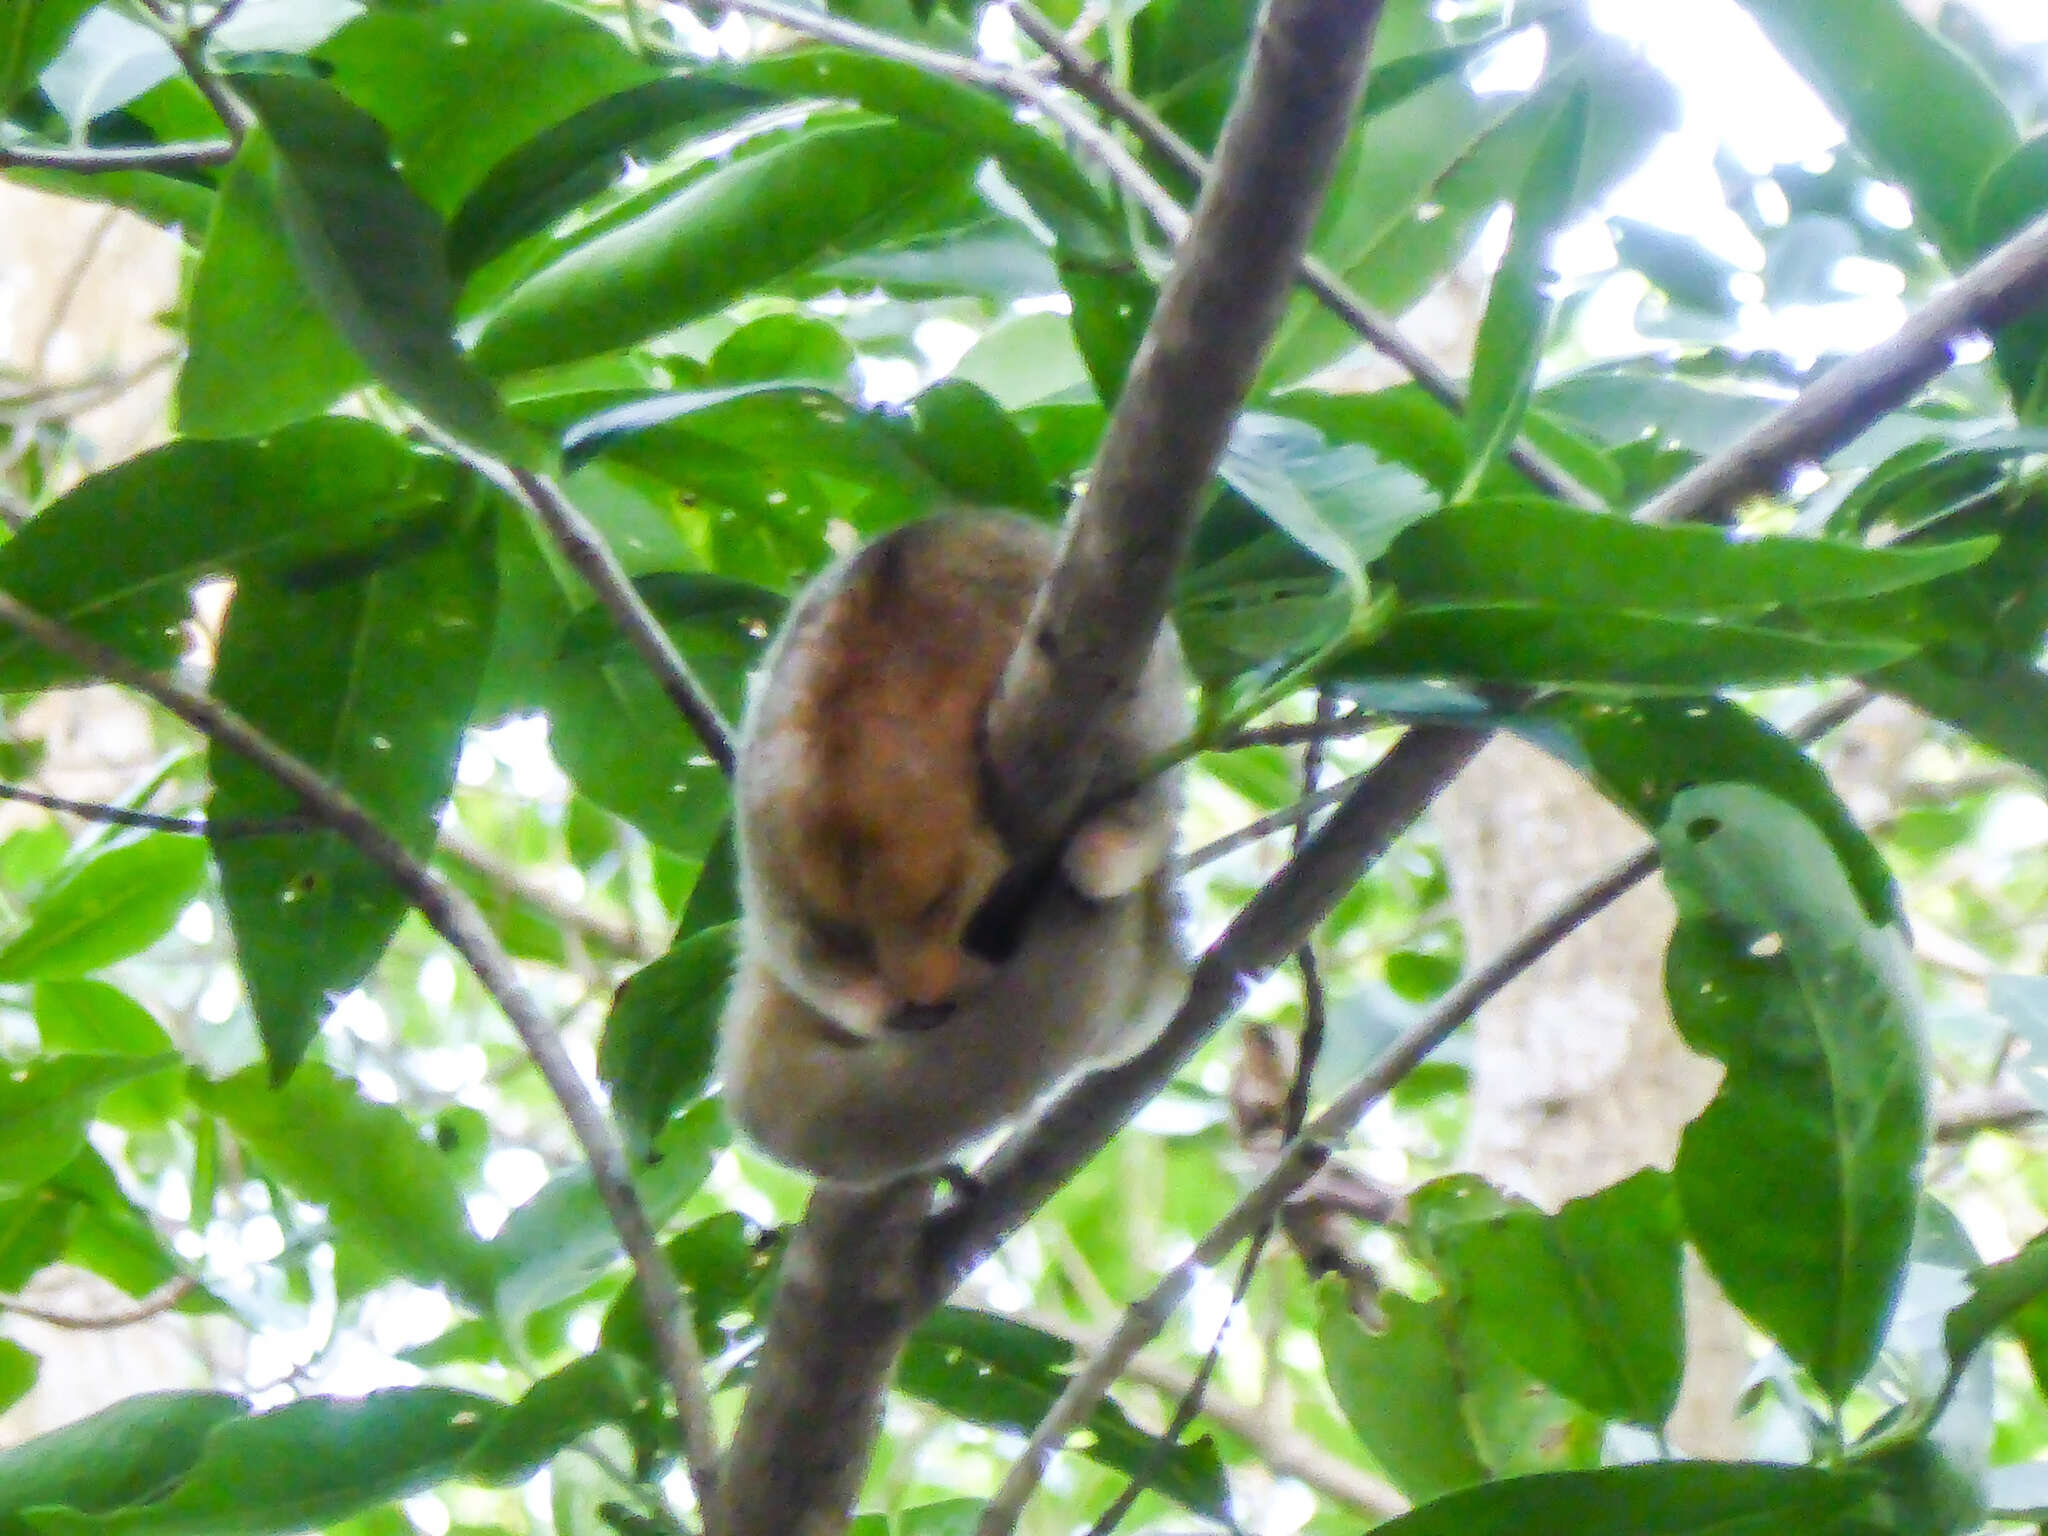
pixel 752 296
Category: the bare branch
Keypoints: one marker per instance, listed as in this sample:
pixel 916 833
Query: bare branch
pixel 1963 1115
pixel 1099 612
pixel 1288 1454
pixel 457 920
pixel 586 550
pixel 617 935
pixel 1088 78
pixel 1353 723
pixel 1294 817
pixel 1036 1161
pixel 848 1297
pixel 170 158
pixel 1836 408
pixel 155 1304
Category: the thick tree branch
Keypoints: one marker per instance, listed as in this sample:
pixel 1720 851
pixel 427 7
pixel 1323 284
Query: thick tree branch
pixel 586 551
pixel 1089 78
pixel 1099 612
pixel 457 920
pixel 1836 408
pixel 170 158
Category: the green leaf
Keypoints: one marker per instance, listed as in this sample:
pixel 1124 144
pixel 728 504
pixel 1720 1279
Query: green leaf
pixel 384 1185
pixel 1674 1498
pixel 557 1410
pixel 31 35
pixel 786 349
pixel 1926 116
pixel 662 1034
pixel 1531 550
pixel 2013 195
pixel 1822 1117
pixel 1603 649
pixel 1687 272
pixel 992 1371
pixel 260 353
pixel 560 1241
pixel 301 1466
pixel 552 173
pixel 91 1017
pixel 18 1368
pixel 371 252
pixel 1343 505
pixel 816 197
pixel 1643 752
pixel 1402 1390
pixel 1998 1294
pixel 116 905
pixel 975 450
pixel 1586 1301
pixel 311 664
pixel 46 1105
pixel 111 1458
pixel 1520 302
pixel 117 554
pixel 33 1231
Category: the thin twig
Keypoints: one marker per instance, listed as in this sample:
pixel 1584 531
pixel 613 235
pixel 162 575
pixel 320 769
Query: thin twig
pixel 585 549
pixel 1354 722
pixel 1289 1454
pixel 1293 817
pixel 155 1304
pixel 457 920
pixel 1836 408
pixel 1307 1153
pixel 170 158
pixel 1086 77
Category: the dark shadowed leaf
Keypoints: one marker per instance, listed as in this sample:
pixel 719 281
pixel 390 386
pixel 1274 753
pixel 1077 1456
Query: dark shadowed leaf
pixel 31 34
pixel 371 251
pixel 117 554
pixel 310 663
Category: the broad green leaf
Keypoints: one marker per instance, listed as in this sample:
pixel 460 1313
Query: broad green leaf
pixel 1926 116
pixel 971 446
pixel 31 34
pixel 601 1388
pixel 1520 302
pixel 453 82
pixel 33 1231
pixel 2002 701
pixel 260 352
pixel 1530 550
pixel 18 1368
pixel 1341 504
pixel 1602 650
pixel 94 1018
pixel 111 1458
pixel 787 349
pixel 1034 163
pixel 1642 752
pixel 311 664
pixel 1402 1390
pixel 117 555
pixel 371 251
pixel 662 1034
pixel 821 195
pixel 45 1107
pixel 301 1466
pixel 1675 1498
pixel 1822 1117
pixel 560 1241
pixel 1998 1294
pixel 1588 1300
pixel 110 1234
pixel 384 1185
pixel 1689 273
pixel 550 174
pixel 116 905
pixel 992 1371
